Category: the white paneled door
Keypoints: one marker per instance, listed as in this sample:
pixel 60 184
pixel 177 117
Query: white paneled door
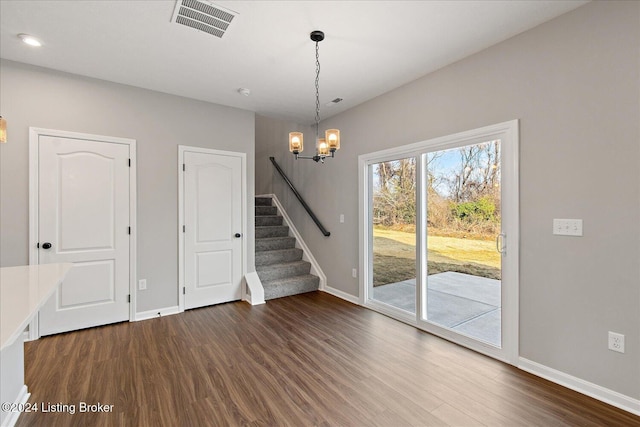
pixel 212 230
pixel 83 218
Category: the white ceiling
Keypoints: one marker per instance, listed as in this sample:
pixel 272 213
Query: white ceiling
pixel 370 47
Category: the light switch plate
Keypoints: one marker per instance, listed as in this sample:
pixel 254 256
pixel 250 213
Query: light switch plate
pixel 567 227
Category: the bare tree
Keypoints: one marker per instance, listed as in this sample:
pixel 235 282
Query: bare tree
pixel 478 174
pixel 394 198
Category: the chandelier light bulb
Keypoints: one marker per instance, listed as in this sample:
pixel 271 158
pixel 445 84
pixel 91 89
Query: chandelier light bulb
pixel 333 137
pixel 296 141
pixel 323 148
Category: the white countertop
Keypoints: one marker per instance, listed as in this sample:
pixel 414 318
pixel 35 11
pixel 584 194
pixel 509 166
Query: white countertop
pixel 23 291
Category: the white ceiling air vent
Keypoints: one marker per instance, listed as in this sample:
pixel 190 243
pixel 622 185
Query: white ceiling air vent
pixel 203 16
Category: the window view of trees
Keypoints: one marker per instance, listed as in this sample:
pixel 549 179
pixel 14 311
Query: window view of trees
pixel 395 194
pixel 464 191
pixel 463 195
pixel 463 213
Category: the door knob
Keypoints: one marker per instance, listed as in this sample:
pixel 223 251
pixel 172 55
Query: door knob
pixel 46 245
pixel 237 235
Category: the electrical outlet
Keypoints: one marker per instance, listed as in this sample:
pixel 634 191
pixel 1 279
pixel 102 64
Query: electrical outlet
pixel 142 284
pixel 616 342
pixel 341 218
pixel 354 273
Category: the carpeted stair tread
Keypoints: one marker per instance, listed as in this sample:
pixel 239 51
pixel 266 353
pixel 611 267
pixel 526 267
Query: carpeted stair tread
pixel 278 256
pixel 283 270
pixel 274 243
pixel 268 220
pixel 266 210
pixel 290 286
pixel 272 231
pixel 263 201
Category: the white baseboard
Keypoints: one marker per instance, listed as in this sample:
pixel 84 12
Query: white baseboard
pixel 22 398
pixel 341 294
pixel 166 311
pixel 603 394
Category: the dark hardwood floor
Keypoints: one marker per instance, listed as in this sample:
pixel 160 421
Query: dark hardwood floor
pixel 310 359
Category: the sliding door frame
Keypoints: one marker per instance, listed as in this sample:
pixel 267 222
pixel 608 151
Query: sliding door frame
pixel 508 133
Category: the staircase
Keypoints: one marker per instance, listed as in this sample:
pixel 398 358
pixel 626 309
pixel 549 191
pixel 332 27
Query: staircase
pixel 279 263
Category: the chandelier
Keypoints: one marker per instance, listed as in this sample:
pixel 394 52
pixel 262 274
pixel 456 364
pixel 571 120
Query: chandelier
pixel 327 146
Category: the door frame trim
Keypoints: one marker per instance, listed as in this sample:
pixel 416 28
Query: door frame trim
pixel 34 135
pixel 243 208
pixel 511 225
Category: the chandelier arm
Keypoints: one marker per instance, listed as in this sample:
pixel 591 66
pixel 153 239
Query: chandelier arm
pixel 316 157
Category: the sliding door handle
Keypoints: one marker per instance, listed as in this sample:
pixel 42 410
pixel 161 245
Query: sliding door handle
pixel 501 243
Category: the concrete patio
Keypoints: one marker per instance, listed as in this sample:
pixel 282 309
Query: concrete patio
pixel 461 302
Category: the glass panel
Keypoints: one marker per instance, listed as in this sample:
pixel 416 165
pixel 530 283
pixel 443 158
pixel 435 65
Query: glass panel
pixel 463 222
pixel 394 233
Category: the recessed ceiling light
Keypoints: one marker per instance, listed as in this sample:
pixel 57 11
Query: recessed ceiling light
pixel 30 40
pixel 244 91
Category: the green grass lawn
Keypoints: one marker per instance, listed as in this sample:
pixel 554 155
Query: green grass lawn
pixel 394 256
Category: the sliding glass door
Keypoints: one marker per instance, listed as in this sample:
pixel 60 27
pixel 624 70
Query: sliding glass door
pixel 463 286
pixel 393 228
pixel 439 243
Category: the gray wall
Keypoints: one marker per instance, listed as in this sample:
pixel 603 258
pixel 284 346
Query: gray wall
pixel 268 133
pixel 574 83
pixel 39 97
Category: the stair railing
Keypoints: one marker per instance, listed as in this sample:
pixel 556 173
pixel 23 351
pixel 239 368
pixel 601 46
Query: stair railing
pixel 299 197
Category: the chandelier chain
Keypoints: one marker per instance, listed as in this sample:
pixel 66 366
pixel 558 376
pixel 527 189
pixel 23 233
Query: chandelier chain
pixel 317 91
